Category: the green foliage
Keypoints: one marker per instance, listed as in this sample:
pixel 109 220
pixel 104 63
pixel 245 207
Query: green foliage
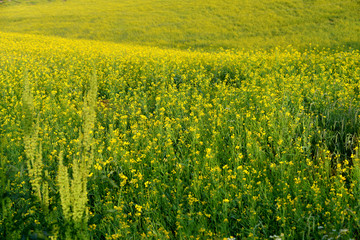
pixel 73 190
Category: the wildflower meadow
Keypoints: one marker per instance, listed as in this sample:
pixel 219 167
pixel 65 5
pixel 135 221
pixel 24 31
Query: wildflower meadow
pixel 101 140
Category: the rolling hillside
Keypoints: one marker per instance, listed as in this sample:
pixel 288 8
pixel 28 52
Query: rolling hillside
pixel 205 24
pixel 168 119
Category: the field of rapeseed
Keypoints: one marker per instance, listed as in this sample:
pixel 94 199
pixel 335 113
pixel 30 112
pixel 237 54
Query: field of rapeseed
pixel 110 141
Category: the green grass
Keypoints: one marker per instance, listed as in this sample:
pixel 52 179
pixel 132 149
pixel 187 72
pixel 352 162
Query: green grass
pixel 202 24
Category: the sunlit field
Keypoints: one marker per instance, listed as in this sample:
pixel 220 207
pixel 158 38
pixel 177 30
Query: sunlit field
pixel 111 141
pixel 200 24
pixel 155 119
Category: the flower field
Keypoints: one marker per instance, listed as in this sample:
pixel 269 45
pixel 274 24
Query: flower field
pixel 111 141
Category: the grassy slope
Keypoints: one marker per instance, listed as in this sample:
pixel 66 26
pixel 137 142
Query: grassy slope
pixel 186 23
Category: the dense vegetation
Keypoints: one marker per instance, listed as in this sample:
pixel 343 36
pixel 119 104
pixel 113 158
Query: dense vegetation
pixel 132 137
pixel 182 144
